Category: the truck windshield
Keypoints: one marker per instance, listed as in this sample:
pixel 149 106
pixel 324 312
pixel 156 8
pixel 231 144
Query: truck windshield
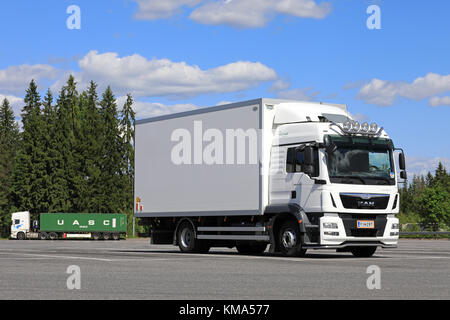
pixel 361 161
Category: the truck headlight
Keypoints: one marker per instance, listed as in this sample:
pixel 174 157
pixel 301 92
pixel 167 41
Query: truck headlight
pixel 330 225
pixel 394 226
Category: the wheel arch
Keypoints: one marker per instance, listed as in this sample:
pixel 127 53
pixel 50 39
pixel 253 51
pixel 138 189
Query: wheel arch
pixel 279 214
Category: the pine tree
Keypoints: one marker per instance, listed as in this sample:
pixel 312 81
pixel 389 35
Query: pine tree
pixel 9 139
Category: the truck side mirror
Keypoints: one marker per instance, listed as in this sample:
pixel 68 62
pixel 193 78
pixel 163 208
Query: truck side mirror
pixel 403 175
pixel 308 156
pixel 308 160
pixel 401 161
pixel 330 146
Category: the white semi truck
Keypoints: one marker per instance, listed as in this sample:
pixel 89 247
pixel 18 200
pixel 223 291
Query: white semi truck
pixel 292 174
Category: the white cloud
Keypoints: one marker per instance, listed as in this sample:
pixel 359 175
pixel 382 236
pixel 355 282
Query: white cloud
pixel 360 117
pixel 162 77
pixel 154 109
pixel 157 9
pixel 305 94
pixel 379 92
pixel 423 165
pixel 384 93
pixel 440 101
pixel 280 85
pixel 221 103
pixel 16 103
pixel 236 13
pixel 15 79
pixel 256 13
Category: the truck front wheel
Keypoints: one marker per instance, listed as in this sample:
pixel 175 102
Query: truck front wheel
pixel 290 240
pixel 363 252
pixel 21 236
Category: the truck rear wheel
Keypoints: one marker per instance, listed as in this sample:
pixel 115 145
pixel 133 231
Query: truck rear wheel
pixel 106 236
pixel 53 236
pixel 290 240
pixel 96 236
pixel 115 236
pixel 363 252
pixel 43 236
pixel 187 242
pixel 251 248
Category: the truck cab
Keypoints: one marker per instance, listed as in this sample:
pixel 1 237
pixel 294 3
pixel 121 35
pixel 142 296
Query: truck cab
pixel 20 225
pixel 341 174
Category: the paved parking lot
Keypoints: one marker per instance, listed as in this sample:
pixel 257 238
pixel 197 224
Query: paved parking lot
pixel 134 269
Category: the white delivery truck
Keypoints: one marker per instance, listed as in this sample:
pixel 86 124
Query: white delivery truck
pixel 292 174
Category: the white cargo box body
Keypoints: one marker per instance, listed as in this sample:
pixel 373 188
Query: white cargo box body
pixel 207 183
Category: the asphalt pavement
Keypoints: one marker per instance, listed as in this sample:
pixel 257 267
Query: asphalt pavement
pixel 134 269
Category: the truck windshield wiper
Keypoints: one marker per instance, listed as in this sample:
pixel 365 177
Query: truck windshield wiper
pixel 351 177
pixel 387 180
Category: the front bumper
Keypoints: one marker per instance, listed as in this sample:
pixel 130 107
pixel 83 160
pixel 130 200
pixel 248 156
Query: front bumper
pixel 344 234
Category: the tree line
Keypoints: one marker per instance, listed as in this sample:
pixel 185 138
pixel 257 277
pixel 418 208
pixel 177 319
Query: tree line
pixel 426 200
pixel 74 153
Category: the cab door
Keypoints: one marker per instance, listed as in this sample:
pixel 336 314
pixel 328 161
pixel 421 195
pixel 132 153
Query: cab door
pixel 302 184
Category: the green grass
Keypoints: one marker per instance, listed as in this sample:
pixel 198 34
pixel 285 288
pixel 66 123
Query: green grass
pixel 430 236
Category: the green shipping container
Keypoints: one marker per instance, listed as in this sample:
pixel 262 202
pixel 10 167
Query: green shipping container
pixel 83 222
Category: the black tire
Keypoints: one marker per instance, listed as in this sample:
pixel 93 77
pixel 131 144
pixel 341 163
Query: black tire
pixel 186 238
pixel 106 236
pixel 251 248
pixel 96 236
pixel 43 236
pixel 290 239
pixel 53 236
pixel 115 236
pixel 187 241
pixel 21 236
pixel 363 252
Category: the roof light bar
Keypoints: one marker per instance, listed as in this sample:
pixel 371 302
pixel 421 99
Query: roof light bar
pixel 353 127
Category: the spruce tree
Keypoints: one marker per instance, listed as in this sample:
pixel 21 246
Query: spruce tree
pixel 51 156
pixel 29 172
pixel 111 181
pixel 9 139
pixel 127 132
pixel 91 128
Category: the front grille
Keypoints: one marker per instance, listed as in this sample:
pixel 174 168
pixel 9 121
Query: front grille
pixel 350 201
pixel 351 230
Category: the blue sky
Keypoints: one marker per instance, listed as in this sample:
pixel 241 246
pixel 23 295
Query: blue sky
pixel 174 58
